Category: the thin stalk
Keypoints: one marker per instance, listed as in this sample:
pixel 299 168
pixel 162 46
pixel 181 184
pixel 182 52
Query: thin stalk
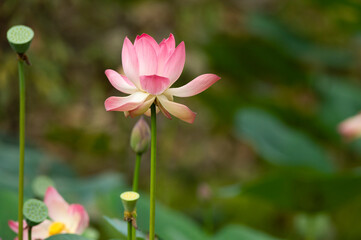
pixel 136 172
pixel 310 228
pixel 135 184
pixel 153 146
pixel 130 230
pixel 21 146
pixel 29 232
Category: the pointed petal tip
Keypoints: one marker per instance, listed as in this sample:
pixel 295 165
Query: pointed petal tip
pixel 13 225
pixel 194 87
pixel 181 44
pixel 191 120
pixel 107 106
pixel 178 110
pixel 83 217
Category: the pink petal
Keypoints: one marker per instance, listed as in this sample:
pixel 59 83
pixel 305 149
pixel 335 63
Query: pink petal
pixel 198 85
pixel 154 84
pixel 57 206
pixel 120 83
pixel 169 42
pixel 130 62
pixel 41 231
pixel 178 110
pixel 125 103
pixel 174 66
pixel 166 49
pixel 165 112
pixel 147 57
pixel 15 225
pixel 142 108
pixel 78 219
pixel 163 56
pixel 150 40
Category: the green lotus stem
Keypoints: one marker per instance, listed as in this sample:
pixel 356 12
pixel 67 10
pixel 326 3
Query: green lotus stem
pixel 29 232
pixel 135 182
pixel 130 230
pixel 136 172
pixel 153 146
pixel 310 235
pixel 21 146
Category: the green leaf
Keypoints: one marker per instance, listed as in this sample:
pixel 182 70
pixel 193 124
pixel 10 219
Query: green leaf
pixel 66 237
pixel 10 200
pixel 305 191
pixel 272 29
pixel 85 189
pixel 122 227
pixel 241 232
pixel 340 100
pixel 279 144
pixel 170 225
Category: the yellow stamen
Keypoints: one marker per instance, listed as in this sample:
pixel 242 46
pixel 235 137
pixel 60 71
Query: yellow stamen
pixel 56 228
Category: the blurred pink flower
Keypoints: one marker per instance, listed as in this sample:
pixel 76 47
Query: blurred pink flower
pixel 150 70
pixel 65 218
pixel 351 127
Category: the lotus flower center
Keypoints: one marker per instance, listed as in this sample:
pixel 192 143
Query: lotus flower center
pixel 56 228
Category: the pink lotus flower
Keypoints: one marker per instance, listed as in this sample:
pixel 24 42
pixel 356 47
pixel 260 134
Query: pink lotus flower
pixel 65 218
pixel 150 70
pixel 351 127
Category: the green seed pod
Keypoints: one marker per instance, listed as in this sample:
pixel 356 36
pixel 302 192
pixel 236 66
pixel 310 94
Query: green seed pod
pixel 20 37
pixel 40 185
pixel 129 200
pixel 140 137
pixel 35 212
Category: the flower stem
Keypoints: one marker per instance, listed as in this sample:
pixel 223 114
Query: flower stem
pixel 29 232
pixel 152 171
pixel 136 172
pixel 130 230
pixel 310 228
pixel 21 146
pixel 135 182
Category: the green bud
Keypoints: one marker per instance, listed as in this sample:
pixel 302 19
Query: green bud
pixel 20 37
pixel 35 212
pixel 140 137
pixel 129 200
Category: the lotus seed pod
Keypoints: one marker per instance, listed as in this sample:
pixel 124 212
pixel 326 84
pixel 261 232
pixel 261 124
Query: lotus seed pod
pixel 35 212
pixel 140 136
pixel 40 185
pixel 20 37
pixel 129 200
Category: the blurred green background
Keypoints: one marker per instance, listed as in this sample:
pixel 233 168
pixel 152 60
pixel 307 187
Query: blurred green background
pixel 263 159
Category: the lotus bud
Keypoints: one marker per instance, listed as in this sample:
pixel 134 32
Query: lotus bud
pixel 140 137
pixel 351 127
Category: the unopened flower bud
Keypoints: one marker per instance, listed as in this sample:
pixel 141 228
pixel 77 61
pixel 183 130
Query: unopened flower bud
pixel 204 192
pixel 351 127
pixel 140 137
pixel 129 200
